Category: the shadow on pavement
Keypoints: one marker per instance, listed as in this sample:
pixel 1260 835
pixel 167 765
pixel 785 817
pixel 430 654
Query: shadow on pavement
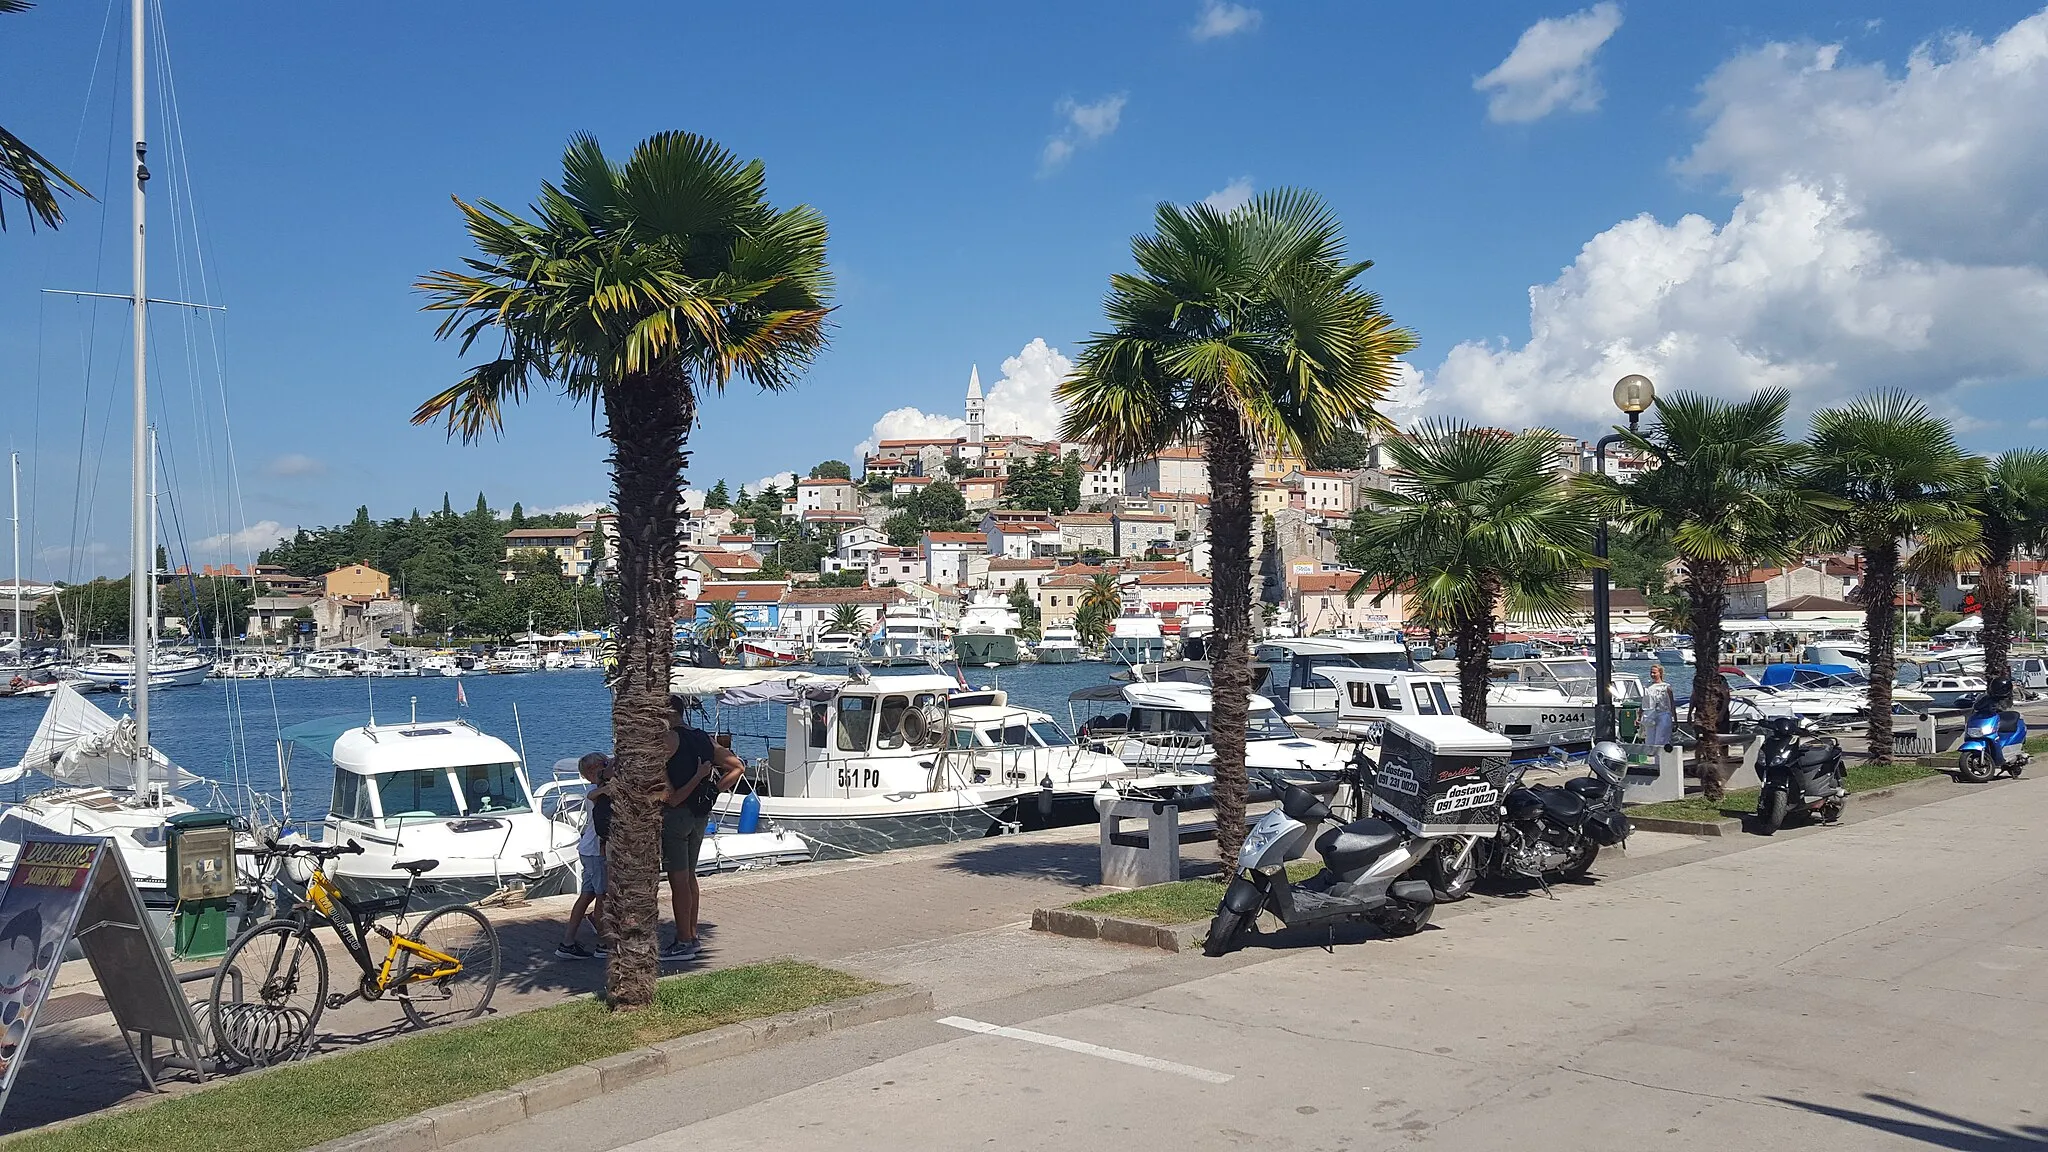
pixel 1948 1131
pixel 1076 864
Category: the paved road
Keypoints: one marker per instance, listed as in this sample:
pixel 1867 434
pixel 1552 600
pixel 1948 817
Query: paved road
pixel 1879 985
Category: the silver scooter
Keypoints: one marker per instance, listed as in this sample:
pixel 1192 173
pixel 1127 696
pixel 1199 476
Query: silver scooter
pixel 1365 868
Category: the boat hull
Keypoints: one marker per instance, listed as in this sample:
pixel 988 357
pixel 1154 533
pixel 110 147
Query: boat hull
pixel 985 648
pixel 1059 655
pixel 121 675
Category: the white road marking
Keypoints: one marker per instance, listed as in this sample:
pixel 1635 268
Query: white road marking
pixel 1086 1049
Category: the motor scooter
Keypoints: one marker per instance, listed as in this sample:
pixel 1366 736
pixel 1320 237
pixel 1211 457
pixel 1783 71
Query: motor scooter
pixel 1994 737
pixel 1802 771
pixel 1365 876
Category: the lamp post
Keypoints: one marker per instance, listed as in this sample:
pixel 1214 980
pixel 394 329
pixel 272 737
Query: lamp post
pixel 1633 394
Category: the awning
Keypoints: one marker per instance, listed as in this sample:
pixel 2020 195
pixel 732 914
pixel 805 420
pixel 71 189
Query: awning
pixel 738 686
pixel 319 735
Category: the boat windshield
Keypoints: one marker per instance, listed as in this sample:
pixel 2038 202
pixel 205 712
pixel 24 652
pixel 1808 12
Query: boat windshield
pixel 423 793
pixel 1265 724
pixel 492 789
pixel 1049 734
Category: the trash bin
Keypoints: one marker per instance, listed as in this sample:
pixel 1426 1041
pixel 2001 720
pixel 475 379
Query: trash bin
pixel 1628 721
pixel 200 861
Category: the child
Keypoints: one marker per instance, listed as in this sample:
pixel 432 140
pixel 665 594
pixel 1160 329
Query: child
pixel 595 768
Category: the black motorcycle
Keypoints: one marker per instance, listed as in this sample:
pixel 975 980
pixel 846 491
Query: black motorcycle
pixel 1802 771
pixel 1544 829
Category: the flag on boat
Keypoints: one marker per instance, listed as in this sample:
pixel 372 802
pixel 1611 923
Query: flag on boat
pixel 461 697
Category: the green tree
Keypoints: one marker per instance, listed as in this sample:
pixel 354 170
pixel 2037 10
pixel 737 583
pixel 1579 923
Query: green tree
pixel 1897 472
pixel 848 618
pixel 845 578
pixel 1070 482
pixel 94 613
pixel 955 467
pixel 633 288
pixel 721 624
pixel 1104 595
pixel 718 497
pixel 832 470
pixel 2012 506
pixel 212 607
pixel 939 503
pixel 1025 605
pixel 1475 521
pixel 518 520
pixel 25 175
pixel 903 529
pixel 1347 450
pixel 1726 491
pixel 1240 329
pixel 1091 625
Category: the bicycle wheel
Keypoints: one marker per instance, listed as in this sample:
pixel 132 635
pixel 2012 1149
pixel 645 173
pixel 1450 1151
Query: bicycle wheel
pixel 268 994
pixel 462 932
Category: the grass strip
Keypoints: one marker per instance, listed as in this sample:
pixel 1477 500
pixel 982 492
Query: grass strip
pixel 1862 778
pixel 1177 903
pixel 301 1105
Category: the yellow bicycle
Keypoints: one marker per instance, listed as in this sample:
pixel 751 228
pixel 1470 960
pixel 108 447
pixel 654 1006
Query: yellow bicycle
pixel 272 984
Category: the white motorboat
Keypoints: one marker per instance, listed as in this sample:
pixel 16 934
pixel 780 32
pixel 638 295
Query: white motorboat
pixel 439 790
pixel 450 664
pixel 1948 689
pixel 1164 725
pixel 910 633
pixel 1059 646
pixel 988 635
pixel 247 666
pixel 768 651
pixel 1135 639
pixel 115 667
pixel 837 650
pixel 1296 679
pixel 511 660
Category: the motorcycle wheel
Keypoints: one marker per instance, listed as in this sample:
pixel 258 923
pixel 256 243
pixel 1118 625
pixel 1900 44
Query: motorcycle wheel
pixel 1973 768
pixel 1770 808
pixel 1579 860
pixel 1411 919
pixel 1226 933
pixel 1453 883
pixel 1831 811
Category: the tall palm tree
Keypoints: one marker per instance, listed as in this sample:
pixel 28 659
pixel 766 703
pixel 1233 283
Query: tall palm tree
pixel 722 624
pixel 632 288
pixel 25 175
pixel 1477 522
pixel 1104 595
pixel 1900 477
pixel 1244 330
pixel 1726 493
pixel 848 618
pixel 2012 507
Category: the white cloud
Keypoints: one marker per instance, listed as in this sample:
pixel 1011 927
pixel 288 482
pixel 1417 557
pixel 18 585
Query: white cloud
pixel 910 424
pixel 1020 403
pixel 1231 196
pixel 1551 67
pixel 294 464
pixel 1085 124
pixel 1844 266
pixel 579 507
pixel 782 480
pixel 1222 19
pixel 254 538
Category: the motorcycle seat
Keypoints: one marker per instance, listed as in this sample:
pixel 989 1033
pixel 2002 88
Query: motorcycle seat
pixel 1356 844
pixel 1562 806
pixel 2008 723
pixel 1586 788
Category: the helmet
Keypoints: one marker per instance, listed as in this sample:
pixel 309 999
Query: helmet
pixel 1608 760
pixel 2000 689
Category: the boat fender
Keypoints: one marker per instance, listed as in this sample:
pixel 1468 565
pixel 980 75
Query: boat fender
pixel 750 813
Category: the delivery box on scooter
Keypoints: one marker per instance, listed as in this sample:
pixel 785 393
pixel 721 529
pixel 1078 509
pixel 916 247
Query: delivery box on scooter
pixel 1441 775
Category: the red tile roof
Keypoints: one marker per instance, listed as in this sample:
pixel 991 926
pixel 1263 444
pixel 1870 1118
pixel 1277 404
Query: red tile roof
pixel 955 538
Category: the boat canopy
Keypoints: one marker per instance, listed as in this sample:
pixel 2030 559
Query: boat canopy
pixel 77 744
pixel 318 736
pixel 739 686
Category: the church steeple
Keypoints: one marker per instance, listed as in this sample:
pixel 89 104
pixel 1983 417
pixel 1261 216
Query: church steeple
pixel 974 405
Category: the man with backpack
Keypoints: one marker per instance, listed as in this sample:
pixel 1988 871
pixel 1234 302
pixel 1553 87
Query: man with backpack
pixel 698 770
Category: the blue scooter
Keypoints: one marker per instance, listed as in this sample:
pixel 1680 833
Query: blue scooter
pixel 1994 737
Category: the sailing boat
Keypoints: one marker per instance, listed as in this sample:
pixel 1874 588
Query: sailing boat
pixel 112 782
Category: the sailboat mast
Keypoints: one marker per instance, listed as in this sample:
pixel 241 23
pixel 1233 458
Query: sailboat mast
pixel 138 537
pixel 156 573
pixel 14 474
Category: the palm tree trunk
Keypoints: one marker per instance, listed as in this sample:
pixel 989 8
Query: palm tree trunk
pixel 647 420
pixel 1230 582
pixel 1994 592
pixel 1880 626
pixel 1706 588
pixel 1474 636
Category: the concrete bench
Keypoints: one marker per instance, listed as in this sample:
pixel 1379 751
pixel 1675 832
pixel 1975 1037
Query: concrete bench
pixel 1135 859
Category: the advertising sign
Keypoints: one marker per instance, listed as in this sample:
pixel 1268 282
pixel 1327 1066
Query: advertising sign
pixel 38 910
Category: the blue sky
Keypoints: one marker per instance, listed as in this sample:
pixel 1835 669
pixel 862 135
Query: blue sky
pixel 1723 195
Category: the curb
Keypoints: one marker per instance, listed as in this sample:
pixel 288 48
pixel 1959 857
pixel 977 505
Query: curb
pixel 1087 926
pixel 450 1123
pixel 1733 827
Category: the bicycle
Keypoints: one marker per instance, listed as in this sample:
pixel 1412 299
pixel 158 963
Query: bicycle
pixel 272 985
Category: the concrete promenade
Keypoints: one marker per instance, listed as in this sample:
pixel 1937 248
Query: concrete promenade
pixel 1881 984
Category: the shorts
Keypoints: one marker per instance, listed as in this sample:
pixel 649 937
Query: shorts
pixel 682 839
pixel 593 876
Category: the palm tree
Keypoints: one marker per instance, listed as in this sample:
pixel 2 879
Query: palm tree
pixel 848 618
pixel 1477 522
pixel 1726 493
pixel 1900 476
pixel 722 624
pixel 1244 330
pixel 632 288
pixel 1104 595
pixel 2012 507
pixel 25 174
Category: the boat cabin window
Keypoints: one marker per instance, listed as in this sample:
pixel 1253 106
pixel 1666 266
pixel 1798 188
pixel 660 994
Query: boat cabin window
pixel 856 722
pixel 351 799
pixel 1383 695
pixel 962 739
pixel 1425 705
pixel 1168 720
pixel 890 733
pixel 821 724
pixel 420 794
pixel 1265 724
pixel 492 788
pixel 1049 734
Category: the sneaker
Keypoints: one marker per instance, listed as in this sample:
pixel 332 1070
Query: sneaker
pixel 681 950
pixel 573 952
pixel 599 951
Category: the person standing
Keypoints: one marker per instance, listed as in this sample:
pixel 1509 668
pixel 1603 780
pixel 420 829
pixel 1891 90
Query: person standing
pixel 595 768
pixel 1660 710
pixel 699 768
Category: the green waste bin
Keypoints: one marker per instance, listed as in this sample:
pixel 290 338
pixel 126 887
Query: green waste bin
pixel 200 847
pixel 1628 722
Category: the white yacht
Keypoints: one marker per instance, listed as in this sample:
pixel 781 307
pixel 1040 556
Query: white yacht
pixel 837 650
pixel 247 666
pixel 115 667
pixel 988 635
pixel 1948 689
pixel 436 790
pixel 1135 640
pixel 1059 646
pixel 450 664
pixel 1164 724
pixel 509 660
pixel 1296 679
pixel 910 633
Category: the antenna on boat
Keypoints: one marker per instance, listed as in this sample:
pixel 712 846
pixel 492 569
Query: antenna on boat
pixel 370 688
pixel 416 710
pixel 518 728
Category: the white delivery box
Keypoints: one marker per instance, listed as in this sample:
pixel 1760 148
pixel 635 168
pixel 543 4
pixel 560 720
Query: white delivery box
pixel 1441 775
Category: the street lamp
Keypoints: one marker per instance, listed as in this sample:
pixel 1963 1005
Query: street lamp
pixel 1633 394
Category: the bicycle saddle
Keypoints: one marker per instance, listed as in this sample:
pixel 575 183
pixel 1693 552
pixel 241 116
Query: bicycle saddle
pixel 417 866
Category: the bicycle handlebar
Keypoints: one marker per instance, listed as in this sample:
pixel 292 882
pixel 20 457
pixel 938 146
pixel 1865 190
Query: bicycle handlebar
pixel 320 851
